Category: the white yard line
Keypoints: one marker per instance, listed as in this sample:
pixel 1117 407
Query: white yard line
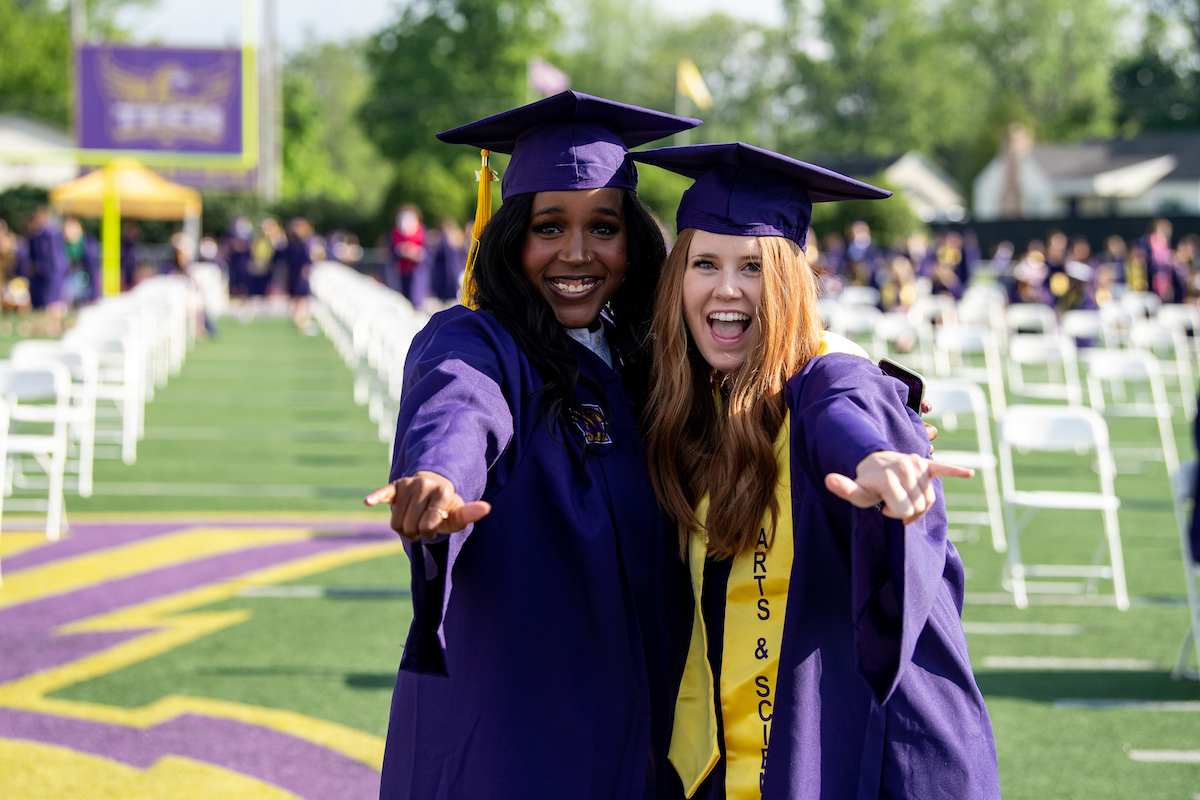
pixel 226 490
pixel 1133 705
pixel 203 434
pixel 1166 756
pixel 1006 599
pixel 1074 664
pixel 1022 629
pixel 343 592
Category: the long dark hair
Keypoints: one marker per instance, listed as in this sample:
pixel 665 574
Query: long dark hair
pixel 502 290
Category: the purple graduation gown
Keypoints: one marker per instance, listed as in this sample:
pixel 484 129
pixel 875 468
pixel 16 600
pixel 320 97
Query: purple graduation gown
pixel 876 694
pixel 536 665
pixel 1194 537
pixel 49 266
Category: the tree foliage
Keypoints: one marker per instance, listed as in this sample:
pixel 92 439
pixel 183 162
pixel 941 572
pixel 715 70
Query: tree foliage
pixel 862 77
pixel 1158 87
pixel 325 151
pixel 35 59
pixel 447 62
pixel 443 63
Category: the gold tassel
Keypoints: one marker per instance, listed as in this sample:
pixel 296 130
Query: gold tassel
pixel 483 212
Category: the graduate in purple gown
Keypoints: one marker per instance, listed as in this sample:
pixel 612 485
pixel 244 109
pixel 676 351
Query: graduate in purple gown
pixel 48 269
pixel 827 657
pixel 537 665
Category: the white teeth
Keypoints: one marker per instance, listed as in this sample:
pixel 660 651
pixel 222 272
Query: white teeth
pixel 728 316
pixel 575 288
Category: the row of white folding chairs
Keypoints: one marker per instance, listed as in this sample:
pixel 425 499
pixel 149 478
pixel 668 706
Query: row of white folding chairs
pixel 372 327
pixel 1137 319
pixel 141 339
pixel 978 353
pixel 37 403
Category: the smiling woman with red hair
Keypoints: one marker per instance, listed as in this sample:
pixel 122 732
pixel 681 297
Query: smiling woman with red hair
pixel 827 656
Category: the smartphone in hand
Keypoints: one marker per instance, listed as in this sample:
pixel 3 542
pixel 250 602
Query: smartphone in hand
pixel 910 378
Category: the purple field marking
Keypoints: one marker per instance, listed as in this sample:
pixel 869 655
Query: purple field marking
pixel 85 539
pixel 305 769
pixel 26 629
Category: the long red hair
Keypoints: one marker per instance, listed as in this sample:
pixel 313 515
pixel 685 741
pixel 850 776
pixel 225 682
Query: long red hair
pixel 694 446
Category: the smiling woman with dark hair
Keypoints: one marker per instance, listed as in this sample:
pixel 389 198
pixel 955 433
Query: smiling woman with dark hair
pixel 538 661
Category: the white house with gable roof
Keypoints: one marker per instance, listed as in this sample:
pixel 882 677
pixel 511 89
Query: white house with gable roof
pixel 1152 174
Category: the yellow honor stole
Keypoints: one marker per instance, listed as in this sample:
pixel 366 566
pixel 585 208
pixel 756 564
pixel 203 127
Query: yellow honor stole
pixel 755 606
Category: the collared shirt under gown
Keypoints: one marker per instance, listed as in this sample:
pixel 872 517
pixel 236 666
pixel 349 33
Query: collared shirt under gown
pixel 536 666
pixel 876 697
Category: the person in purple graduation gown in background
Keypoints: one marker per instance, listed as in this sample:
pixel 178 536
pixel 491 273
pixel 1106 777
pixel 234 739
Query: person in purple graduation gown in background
pixel 48 269
pixel 827 657
pixel 538 661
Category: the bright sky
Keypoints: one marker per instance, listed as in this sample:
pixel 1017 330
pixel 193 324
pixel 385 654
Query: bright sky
pixel 217 22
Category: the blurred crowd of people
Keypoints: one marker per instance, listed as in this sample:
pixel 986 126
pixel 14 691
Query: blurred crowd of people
pixel 264 258
pixel 45 269
pixel 50 267
pixel 1062 272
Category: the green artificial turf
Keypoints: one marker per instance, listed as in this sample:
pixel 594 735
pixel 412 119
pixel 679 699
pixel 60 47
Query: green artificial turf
pixel 334 658
pixel 259 407
pixel 263 405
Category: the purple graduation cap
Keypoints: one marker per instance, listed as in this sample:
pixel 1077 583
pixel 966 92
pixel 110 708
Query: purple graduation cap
pixel 569 141
pixel 742 190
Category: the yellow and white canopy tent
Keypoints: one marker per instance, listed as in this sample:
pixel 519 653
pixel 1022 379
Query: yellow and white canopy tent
pixel 123 187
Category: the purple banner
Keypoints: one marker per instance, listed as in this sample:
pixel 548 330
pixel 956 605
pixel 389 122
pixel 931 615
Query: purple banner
pixel 152 98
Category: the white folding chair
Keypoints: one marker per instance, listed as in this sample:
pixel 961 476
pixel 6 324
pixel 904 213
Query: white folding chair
pixel 1186 318
pixel 1030 318
pixel 39 398
pixel 934 309
pixel 953 344
pixel 1062 429
pixel 1091 325
pixel 1055 353
pixel 1120 368
pixel 855 322
pixel 953 400
pixel 1170 345
pixel 897 334
pixel 983 305
pixel 1179 315
pixel 859 296
pixel 1141 305
pixel 1183 486
pixel 83 364
pixel 120 406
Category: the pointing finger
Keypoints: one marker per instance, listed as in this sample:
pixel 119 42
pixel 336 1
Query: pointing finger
pixel 940 469
pixel 384 494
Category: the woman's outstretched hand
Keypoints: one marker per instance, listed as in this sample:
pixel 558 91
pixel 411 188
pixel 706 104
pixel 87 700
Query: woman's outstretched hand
pixel 903 482
pixel 426 506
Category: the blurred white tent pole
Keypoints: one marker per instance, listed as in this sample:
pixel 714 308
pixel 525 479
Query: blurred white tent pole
pixel 689 88
pixel 78 22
